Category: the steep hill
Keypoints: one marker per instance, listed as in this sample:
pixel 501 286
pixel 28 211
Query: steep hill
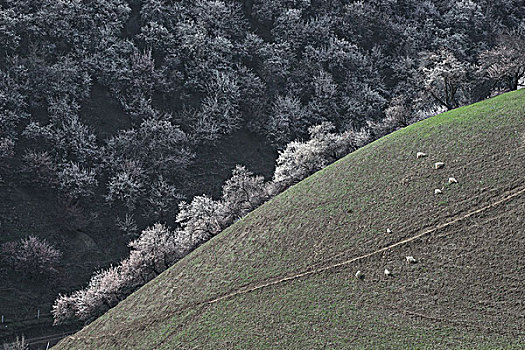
pixel 284 276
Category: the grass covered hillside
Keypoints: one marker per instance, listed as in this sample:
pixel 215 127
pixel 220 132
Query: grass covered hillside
pixel 284 276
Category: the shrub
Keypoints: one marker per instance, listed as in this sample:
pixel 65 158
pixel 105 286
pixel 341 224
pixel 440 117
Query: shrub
pixel 127 225
pixel 445 77
pixel 64 78
pixel 41 165
pixel 399 114
pixel 7 147
pixel 219 112
pixel 65 307
pixel 200 219
pixel 141 79
pixel 301 159
pixel 157 146
pixel 162 200
pixel 32 256
pixel 505 63
pixel 12 100
pixel 242 193
pixel 158 248
pixel 286 121
pixel 127 186
pixel 154 251
pixel 77 182
pixel 66 137
pixel 102 293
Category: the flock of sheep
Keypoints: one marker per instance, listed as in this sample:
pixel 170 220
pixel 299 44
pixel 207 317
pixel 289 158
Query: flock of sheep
pixel 410 259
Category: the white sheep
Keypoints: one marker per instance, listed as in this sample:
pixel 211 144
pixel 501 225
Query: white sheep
pixel 359 275
pixel 387 272
pixel 388 230
pixel 411 260
pixel 452 180
pixel 421 155
pixel 439 165
pixel 438 191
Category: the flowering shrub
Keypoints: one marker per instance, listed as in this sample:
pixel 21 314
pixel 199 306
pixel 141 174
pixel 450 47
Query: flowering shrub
pixel 32 256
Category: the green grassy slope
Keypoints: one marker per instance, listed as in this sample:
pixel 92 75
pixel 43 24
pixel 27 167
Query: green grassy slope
pixel 465 291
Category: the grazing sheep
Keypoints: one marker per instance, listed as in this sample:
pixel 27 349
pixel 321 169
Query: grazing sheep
pixel 387 272
pixel 452 180
pixel 438 191
pixel 388 230
pixel 421 155
pixel 439 165
pixel 411 260
pixel 359 275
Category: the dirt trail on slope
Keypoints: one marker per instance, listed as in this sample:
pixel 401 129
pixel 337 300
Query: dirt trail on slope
pixel 507 196
pixel 253 288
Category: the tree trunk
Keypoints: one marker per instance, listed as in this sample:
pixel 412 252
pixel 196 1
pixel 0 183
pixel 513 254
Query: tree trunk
pixel 515 80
